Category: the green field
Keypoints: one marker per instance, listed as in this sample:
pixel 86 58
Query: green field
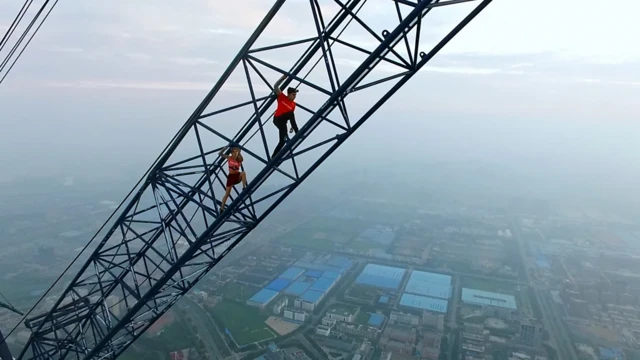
pixel 246 323
pixel 365 246
pixel 238 292
pixel 331 228
pixel 362 318
pixel 175 336
pixel 362 293
pixel 299 237
pixel 252 279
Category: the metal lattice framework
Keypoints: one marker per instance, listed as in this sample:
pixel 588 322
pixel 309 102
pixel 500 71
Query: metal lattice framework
pixel 171 233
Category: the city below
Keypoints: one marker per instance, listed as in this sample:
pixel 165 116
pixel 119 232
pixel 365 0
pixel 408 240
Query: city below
pixel 436 287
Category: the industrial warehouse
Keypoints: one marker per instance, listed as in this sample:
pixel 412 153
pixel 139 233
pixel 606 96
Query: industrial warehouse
pixel 423 290
pixel 346 304
pixel 306 282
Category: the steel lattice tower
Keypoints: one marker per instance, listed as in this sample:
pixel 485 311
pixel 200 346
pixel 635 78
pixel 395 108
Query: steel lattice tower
pixel 171 232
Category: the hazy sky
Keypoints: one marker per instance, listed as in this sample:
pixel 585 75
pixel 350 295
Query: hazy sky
pixel 107 83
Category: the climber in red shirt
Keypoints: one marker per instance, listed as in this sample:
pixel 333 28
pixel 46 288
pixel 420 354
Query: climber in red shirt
pixel 284 113
pixel 235 175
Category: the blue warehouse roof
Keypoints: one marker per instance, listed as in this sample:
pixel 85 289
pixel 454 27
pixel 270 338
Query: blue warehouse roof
pixel 424 303
pixel 278 284
pixel 427 289
pixel 312 296
pixel 376 320
pixel 381 276
pixel 263 296
pixel 297 288
pixel 330 275
pixel 313 273
pixel 342 262
pixel 292 273
pixel 322 284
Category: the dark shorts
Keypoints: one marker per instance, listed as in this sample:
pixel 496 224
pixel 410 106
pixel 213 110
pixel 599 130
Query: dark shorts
pixel 233 179
pixel 281 120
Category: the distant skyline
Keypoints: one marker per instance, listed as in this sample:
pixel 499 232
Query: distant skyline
pixel 540 84
pixel 572 50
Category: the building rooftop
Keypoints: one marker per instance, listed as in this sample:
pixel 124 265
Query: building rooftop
pixel 424 303
pixel 486 298
pixel 340 311
pixel 312 296
pixel 610 354
pixel 313 273
pixel 340 261
pixel 263 296
pixel 278 284
pixel 330 275
pixel 297 288
pixel 381 276
pixel 322 284
pixel 292 273
pixel 429 277
pixel 376 320
pixel 428 289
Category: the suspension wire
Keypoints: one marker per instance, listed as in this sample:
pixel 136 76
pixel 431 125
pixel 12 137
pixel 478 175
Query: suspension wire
pixel 96 234
pixel 313 67
pixel 15 23
pixel 21 38
pixel 8 303
pixel 12 52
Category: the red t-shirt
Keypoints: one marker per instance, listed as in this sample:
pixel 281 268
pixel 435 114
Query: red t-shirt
pixel 284 105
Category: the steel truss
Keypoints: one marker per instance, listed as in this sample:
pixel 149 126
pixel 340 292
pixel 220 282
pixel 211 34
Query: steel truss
pixel 171 233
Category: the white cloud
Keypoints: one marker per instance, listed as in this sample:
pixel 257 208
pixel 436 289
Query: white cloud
pixel 574 30
pixel 222 31
pixel 607 82
pixel 389 68
pixel 192 61
pixel 515 72
pixel 100 84
pixel 66 50
pixel 589 81
pixel 138 56
pixel 630 83
pixel 521 65
pixel 517 41
pixel 146 85
pixel 461 70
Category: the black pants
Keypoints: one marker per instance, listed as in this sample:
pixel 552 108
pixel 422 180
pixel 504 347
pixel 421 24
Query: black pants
pixel 281 123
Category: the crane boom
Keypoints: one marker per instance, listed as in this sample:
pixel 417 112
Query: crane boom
pixel 172 233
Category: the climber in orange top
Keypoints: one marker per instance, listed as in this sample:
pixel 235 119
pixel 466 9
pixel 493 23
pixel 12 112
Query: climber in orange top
pixel 284 112
pixel 235 175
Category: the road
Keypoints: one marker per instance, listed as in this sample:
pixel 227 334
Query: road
pixel 550 319
pixel 454 313
pixel 565 346
pixel 314 353
pixel 454 302
pixel 199 317
pixel 159 354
